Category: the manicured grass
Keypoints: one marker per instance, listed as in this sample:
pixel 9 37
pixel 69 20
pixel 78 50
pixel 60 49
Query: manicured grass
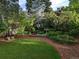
pixel 27 49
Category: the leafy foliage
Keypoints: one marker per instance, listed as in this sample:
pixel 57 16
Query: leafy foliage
pixel 9 11
pixel 66 22
pixel 46 2
pixel 61 37
pixel 73 6
pixel 2 26
pixel 9 8
pixel 25 22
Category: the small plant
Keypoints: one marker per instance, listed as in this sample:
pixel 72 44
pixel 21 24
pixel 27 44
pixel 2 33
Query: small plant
pixel 61 38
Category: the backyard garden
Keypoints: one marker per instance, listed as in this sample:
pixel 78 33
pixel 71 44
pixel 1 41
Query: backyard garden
pixel 39 32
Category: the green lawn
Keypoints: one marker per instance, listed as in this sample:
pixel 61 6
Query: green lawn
pixel 27 49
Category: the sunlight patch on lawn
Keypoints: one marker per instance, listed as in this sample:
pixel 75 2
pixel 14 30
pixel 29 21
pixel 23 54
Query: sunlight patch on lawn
pixel 28 43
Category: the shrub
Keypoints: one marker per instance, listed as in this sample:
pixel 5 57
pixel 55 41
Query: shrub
pixel 2 26
pixel 67 21
pixel 74 32
pixel 61 38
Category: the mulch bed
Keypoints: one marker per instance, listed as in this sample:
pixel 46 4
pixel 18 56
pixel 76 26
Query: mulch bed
pixel 66 51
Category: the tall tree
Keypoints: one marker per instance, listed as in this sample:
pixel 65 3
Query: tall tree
pixel 9 8
pixel 73 6
pixel 29 5
pixel 9 11
pixel 46 2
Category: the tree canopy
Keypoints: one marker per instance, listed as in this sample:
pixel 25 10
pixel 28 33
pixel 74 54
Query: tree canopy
pixel 9 8
pixel 73 6
pixel 46 2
